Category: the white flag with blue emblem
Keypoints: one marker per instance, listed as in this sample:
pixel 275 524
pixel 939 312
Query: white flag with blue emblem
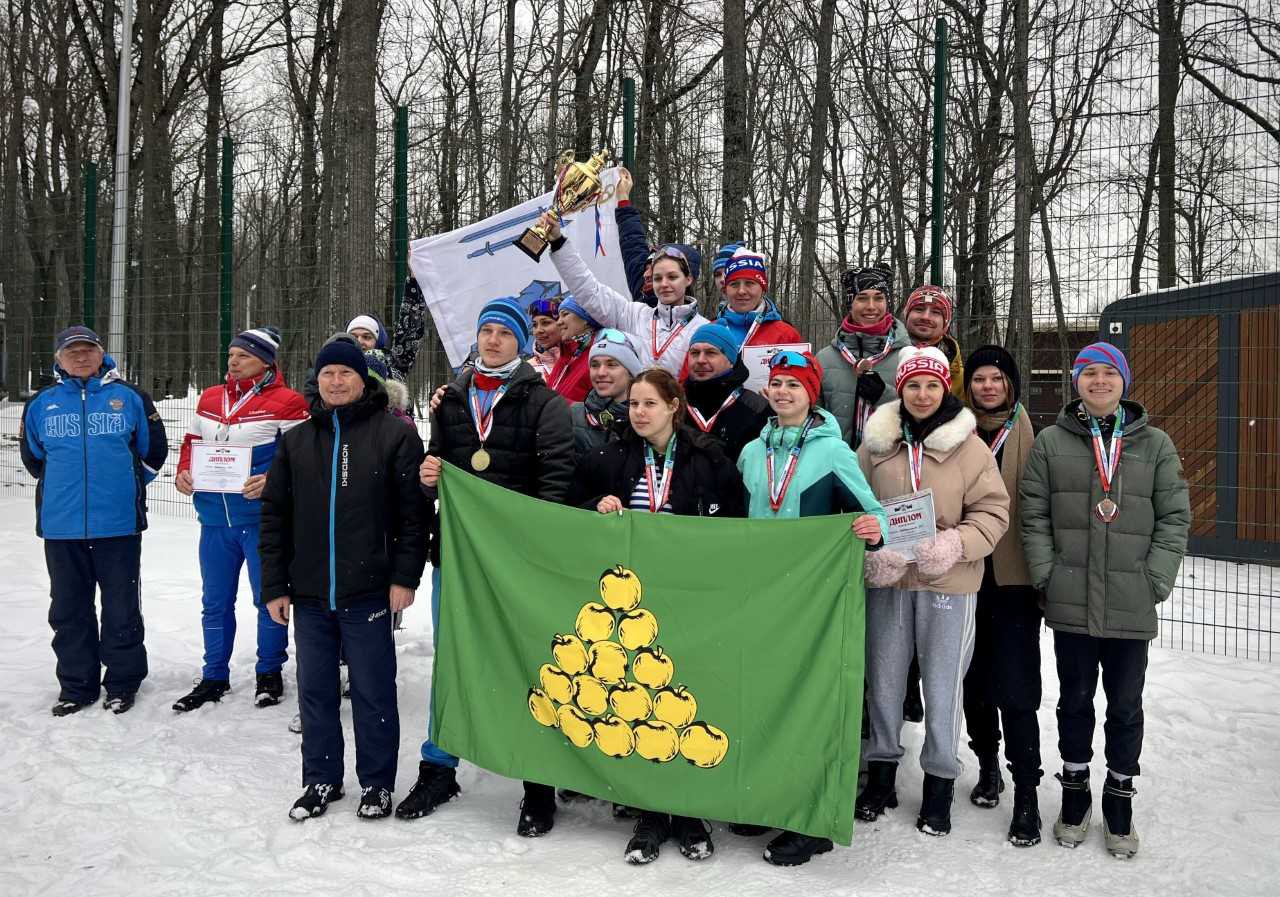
pixel 462 270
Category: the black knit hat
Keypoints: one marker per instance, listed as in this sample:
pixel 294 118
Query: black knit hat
pixel 873 277
pixel 998 357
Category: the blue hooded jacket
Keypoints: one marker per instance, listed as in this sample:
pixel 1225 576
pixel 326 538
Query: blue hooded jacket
pixel 93 445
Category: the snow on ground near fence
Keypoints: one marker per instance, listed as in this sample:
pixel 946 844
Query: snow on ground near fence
pixel 155 803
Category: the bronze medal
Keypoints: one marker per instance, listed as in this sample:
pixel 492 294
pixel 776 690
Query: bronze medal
pixel 1107 510
pixel 480 460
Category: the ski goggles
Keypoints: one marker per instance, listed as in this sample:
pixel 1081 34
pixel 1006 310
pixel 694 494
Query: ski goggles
pixel 788 359
pixel 547 308
pixel 670 252
pixel 611 335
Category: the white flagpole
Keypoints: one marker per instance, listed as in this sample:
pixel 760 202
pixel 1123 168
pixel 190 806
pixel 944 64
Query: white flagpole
pixel 120 223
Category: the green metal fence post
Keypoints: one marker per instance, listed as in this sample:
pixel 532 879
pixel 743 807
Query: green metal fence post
pixel 227 261
pixel 629 123
pixel 90 287
pixel 939 146
pixel 401 248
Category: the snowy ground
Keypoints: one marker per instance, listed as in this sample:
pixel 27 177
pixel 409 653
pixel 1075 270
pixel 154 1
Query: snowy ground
pixel 156 804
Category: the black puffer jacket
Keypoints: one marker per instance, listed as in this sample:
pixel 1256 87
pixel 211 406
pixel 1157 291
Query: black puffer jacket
pixel 343 518
pixel 530 446
pixel 742 421
pixel 706 484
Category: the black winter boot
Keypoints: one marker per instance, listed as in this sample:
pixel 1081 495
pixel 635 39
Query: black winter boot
pixel 375 802
pixel 747 830
pixel 1024 829
pixel 935 808
pixel 1117 814
pixel 879 794
pixel 66 708
pixel 121 703
pixel 436 785
pixel 269 690
pixel 314 801
pixel 793 849
pixel 693 837
pixel 1077 806
pixel 651 832
pixel 990 783
pixel 537 811
pixel 206 690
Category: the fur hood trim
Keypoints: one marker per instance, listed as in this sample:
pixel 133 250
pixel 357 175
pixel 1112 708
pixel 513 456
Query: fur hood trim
pixel 397 394
pixel 884 431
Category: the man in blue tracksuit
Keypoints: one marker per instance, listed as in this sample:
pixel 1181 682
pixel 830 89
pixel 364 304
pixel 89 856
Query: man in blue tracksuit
pixel 252 407
pixel 93 442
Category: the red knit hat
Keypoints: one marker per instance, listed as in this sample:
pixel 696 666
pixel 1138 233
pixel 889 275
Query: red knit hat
pixel 926 362
pixel 801 365
pixel 930 295
pixel 749 265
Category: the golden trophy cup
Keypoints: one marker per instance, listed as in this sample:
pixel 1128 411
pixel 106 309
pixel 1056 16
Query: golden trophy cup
pixel 577 186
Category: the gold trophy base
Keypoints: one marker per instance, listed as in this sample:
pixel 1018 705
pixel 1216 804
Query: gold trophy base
pixel 532 244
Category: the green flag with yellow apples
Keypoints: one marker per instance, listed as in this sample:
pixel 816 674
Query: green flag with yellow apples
pixel 698 666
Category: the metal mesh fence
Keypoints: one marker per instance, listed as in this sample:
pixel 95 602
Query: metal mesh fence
pixel 1206 356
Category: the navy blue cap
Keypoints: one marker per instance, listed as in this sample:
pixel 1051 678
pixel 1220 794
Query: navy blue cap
pixel 76 334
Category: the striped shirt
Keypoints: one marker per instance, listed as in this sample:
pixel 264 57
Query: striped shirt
pixel 640 496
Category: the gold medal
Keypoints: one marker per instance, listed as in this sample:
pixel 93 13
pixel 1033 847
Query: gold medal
pixel 1107 510
pixel 480 460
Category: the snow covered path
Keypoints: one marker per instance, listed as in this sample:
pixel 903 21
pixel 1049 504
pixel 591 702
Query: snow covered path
pixel 152 803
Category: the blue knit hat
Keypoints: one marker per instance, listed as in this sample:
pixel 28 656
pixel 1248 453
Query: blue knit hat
pixel 719 336
pixel 723 254
pixel 342 352
pixel 262 343
pixel 571 304
pixel 1102 353
pixel 507 312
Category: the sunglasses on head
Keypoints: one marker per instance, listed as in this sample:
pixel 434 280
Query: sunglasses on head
pixel 788 359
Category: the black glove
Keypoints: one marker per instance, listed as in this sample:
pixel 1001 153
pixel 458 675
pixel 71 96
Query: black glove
pixel 870 387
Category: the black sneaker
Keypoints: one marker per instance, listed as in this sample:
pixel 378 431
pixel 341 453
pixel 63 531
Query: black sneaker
pixel 1024 829
pixel 935 807
pixel 990 783
pixel 693 837
pixel 651 832
pixel 206 690
pixel 436 785
pixel 269 691
pixel 537 811
pixel 314 801
pixel 794 849
pixel 66 708
pixel 880 792
pixel 118 704
pixel 747 830
pixel 375 803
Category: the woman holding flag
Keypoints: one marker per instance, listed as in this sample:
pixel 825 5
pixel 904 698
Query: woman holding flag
pixel 661 466
pixel 664 331
pixel 923 448
pixel 1003 682
pixel 801 467
pixel 499 421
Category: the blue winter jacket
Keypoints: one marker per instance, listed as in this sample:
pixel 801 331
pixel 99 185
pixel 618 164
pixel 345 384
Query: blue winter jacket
pixel 93 445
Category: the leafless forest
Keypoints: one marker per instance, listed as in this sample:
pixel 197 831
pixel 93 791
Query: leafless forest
pixel 1092 150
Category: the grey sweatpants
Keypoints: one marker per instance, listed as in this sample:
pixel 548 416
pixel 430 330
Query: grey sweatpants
pixel 939 629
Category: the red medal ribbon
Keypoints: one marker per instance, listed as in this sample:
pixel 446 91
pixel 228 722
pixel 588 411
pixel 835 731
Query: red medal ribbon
pixel 484 420
pixel 1107 459
pixel 778 493
pixel 653 333
pixel 658 502
pixel 703 423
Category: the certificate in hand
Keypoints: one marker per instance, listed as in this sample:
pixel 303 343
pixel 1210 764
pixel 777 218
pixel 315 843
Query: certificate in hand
pixel 911 522
pixel 219 466
pixel 756 360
